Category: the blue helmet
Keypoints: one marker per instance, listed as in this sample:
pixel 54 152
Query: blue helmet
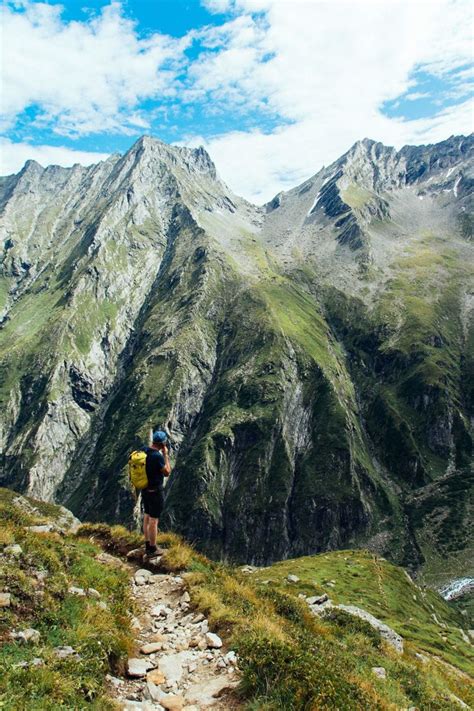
pixel 159 437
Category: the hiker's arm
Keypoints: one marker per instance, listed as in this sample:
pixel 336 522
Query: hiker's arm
pixel 166 470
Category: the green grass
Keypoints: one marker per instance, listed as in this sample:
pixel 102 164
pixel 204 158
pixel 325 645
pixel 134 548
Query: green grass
pixel 355 196
pixel 364 580
pixel 39 580
pixel 290 660
pixel 90 316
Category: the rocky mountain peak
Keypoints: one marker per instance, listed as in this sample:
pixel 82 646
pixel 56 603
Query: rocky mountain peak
pixel 194 160
pixel 32 166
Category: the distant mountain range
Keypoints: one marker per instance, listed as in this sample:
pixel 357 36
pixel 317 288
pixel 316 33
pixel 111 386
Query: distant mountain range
pixel 312 360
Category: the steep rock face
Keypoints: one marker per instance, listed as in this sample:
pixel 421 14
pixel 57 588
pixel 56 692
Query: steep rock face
pixel 310 359
pixel 399 301
pixel 92 241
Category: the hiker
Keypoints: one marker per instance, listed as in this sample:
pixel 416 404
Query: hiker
pixel 147 469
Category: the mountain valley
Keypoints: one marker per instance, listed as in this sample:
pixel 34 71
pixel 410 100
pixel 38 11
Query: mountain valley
pixel 311 359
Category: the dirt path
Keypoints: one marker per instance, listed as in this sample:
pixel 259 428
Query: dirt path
pixel 179 663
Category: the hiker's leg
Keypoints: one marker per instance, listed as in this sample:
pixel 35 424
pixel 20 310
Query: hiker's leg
pixel 146 520
pixel 152 529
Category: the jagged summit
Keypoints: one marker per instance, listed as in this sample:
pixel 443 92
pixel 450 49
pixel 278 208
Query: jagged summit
pixel 197 159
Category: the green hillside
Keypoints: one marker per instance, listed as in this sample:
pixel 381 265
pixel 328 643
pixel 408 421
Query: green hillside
pixel 290 660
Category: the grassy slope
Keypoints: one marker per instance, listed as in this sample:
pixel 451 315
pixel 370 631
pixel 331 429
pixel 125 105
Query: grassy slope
pixel 406 355
pixel 100 636
pixel 289 659
pixel 365 580
pixel 292 661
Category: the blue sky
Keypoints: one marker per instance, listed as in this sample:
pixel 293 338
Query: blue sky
pixel 274 89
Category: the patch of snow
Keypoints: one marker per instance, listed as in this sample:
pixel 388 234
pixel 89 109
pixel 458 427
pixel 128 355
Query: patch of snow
pixel 455 189
pixel 314 204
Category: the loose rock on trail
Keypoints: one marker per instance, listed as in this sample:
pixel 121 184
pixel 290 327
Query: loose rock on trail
pixel 179 664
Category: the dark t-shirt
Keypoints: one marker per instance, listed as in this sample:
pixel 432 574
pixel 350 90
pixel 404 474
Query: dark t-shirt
pixel 155 462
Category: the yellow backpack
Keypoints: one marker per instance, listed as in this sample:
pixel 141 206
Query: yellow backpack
pixel 137 470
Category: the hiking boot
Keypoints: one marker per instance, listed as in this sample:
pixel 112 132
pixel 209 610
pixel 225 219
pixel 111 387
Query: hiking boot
pixel 151 551
pixel 148 548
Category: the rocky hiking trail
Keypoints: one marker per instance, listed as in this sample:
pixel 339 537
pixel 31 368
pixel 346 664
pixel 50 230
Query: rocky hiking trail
pixel 179 664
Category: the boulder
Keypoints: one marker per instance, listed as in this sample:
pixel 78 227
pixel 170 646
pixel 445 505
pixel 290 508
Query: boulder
pixel 248 569
pixel 317 599
pixel 380 672
pixel 46 528
pixel 205 693
pixel 65 651
pixel 213 640
pixel 151 647
pixel 142 576
pixel 111 560
pixel 5 599
pixel 156 677
pixel 172 702
pixel 153 691
pixel 388 635
pixel 92 592
pixel 80 592
pixel 129 705
pixel 14 550
pixel 29 636
pixel 171 665
pixel 231 658
pixel 137 668
pixel 293 578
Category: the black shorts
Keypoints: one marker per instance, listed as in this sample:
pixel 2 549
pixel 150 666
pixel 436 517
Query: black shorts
pixel 153 502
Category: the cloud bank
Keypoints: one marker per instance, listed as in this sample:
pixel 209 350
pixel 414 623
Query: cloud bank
pixel 307 78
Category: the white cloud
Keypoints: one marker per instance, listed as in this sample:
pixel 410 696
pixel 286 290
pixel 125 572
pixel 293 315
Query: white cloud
pixel 327 68
pixel 218 6
pixel 320 70
pixel 85 76
pixel 258 165
pixel 14 155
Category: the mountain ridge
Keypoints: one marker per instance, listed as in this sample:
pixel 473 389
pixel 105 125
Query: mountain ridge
pixel 142 291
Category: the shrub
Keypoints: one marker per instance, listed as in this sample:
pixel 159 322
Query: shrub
pixel 350 624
